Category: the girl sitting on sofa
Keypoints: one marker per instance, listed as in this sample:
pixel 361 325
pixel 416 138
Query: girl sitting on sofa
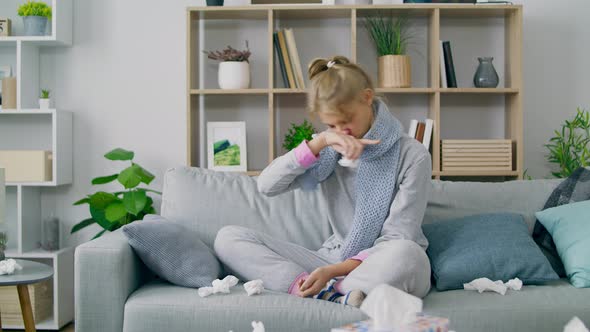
pixel 376 180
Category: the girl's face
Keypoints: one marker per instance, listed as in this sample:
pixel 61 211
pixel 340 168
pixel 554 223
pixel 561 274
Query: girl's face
pixel 353 119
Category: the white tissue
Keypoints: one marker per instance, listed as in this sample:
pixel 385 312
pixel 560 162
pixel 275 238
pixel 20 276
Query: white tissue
pixel 484 284
pixel 391 308
pixel 8 266
pixel 514 284
pixel 344 162
pixel 575 325
pixel 205 291
pixel 257 327
pixel 254 287
pixel 219 286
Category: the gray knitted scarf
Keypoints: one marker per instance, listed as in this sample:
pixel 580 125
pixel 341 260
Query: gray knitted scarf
pixel 375 180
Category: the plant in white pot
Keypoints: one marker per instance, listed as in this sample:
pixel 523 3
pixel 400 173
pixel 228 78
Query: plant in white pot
pixel 391 37
pixel 44 101
pixel 35 15
pixel 234 68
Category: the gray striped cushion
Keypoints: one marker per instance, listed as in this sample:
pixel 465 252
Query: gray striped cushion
pixel 173 252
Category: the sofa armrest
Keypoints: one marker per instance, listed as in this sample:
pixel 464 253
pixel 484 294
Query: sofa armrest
pixel 107 271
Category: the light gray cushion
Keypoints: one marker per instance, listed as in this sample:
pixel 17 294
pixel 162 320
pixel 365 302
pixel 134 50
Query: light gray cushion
pixel 173 252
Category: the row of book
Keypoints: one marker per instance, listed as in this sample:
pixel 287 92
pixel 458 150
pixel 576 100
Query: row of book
pixel 447 68
pixel 284 42
pixel 422 131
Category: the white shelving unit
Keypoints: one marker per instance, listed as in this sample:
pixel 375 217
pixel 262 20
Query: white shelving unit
pixel 27 127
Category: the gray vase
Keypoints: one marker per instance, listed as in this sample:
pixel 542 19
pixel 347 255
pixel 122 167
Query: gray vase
pixel 214 2
pixel 35 25
pixel 486 75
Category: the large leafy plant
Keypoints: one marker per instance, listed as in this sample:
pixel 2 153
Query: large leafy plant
pixel 389 34
pixel 569 147
pixel 34 8
pixel 297 134
pixel 113 210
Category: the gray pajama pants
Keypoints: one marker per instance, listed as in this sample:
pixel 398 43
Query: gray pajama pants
pixel 251 255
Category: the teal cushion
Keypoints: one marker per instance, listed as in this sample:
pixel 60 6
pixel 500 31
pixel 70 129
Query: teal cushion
pixel 496 246
pixel 569 225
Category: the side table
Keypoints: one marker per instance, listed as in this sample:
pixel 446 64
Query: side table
pixel 31 273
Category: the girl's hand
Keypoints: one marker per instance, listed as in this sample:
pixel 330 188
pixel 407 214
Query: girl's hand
pixel 348 146
pixel 315 282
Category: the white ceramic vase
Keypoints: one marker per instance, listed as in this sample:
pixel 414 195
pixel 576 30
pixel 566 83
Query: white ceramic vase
pixel 44 103
pixel 234 75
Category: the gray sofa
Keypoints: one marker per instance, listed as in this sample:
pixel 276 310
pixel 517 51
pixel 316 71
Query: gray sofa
pixel 115 292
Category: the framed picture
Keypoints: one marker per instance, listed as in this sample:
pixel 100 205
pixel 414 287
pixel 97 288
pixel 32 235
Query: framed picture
pixel 226 146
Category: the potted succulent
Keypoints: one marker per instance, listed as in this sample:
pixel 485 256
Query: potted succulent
pixel 35 15
pixel 391 39
pixel 44 101
pixel 114 210
pixel 234 68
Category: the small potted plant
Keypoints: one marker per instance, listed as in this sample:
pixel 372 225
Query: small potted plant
pixel 44 101
pixel 297 134
pixel 234 68
pixel 391 38
pixel 35 15
pixel 570 147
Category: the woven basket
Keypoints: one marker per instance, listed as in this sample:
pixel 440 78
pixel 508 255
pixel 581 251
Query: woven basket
pixel 395 71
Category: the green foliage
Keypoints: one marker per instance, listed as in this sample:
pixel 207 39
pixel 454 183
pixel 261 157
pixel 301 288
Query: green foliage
pixel 45 94
pixel 390 35
pixel 113 210
pixel 569 147
pixel 229 156
pixel 34 8
pixel 3 240
pixel 526 176
pixel 297 134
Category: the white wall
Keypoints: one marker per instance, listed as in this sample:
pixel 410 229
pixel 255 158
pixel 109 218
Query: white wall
pixel 124 79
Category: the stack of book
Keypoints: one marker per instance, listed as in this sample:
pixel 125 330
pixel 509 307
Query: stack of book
pixel 289 62
pixel 422 131
pixel 477 155
pixel 447 68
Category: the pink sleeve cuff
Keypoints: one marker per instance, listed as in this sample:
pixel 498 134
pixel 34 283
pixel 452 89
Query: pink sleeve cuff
pixel 304 155
pixel 360 257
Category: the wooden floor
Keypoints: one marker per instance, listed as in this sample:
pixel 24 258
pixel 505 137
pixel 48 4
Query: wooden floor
pixel 67 328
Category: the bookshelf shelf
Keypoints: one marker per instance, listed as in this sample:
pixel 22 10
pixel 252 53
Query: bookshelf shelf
pixel 326 30
pixel 479 90
pixel 406 90
pixel 229 92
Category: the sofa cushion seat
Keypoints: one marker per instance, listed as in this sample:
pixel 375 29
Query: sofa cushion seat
pixel 160 306
pixel 534 308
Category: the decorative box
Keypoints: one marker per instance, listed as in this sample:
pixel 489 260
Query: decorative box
pixel 477 155
pixel 26 165
pixel 41 295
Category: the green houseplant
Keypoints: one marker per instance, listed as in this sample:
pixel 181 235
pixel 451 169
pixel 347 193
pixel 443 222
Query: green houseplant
pixel 113 210
pixel 569 147
pixel 391 38
pixel 3 242
pixel 297 134
pixel 35 15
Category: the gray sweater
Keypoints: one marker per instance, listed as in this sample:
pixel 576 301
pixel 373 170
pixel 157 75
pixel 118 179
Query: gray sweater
pixel 407 210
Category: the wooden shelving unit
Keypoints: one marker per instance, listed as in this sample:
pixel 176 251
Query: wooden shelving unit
pixel 323 31
pixel 29 128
